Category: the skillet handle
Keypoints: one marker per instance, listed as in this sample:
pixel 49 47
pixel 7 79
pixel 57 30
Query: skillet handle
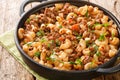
pixel 22 7
pixel 109 70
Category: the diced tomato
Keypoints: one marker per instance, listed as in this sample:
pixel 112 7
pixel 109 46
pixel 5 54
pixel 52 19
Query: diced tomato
pixel 75 27
pixel 70 20
pixel 61 38
pixel 79 13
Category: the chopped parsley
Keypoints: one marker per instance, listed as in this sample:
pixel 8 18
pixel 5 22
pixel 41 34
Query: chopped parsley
pixel 48 45
pixel 95 48
pixel 28 20
pixel 78 61
pixel 52 57
pixel 75 33
pixel 89 26
pixel 79 37
pixel 113 35
pixel 29 43
pixel 42 40
pixel 87 43
pixel 71 62
pixel 98 53
pixel 92 31
pixel 37 54
pixel 105 24
pixel 57 42
pixel 60 61
pixel 48 58
pixel 60 26
pixel 52 41
pixel 87 14
pixel 102 37
pixel 96 24
pixel 40 33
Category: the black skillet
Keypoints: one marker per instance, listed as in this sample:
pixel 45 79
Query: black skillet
pixel 53 74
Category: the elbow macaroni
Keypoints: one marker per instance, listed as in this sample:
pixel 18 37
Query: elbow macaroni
pixel 66 45
pixel 68 37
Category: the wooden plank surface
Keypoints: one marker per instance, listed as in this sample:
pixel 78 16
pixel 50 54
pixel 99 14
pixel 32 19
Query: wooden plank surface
pixel 10 69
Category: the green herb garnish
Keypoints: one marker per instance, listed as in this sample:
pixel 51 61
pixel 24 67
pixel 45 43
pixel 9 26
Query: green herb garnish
pixel 71 62
pixel 91 30
pixel 37 54
pixel 98 53
pixel 48 58
pixel 42 40
pixel 28 20
pixel 102 37
pixel 75 33
pixel 113 35
pixel 60 61
pixel 96 24
pixel 78 61
pixel 87 14
pixel 52 41
pixel 57 42
pixel 60 26
pixel 40 33
pixel 29 43
pixel 89 26
pixel 105 24
pixel 95 49
pixel 87 43
pixel 48 45
pixel 79 37
pixel 52 57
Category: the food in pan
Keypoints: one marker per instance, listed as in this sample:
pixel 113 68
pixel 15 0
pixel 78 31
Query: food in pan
pixel 68 37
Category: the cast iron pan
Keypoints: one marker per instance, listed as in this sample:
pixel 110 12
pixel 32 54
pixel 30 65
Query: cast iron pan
pixel 53 74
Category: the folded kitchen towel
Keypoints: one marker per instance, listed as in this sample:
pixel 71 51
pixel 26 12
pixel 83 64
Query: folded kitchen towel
pixel 7 41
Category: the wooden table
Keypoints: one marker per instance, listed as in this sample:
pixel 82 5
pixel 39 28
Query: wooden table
pixel 10 69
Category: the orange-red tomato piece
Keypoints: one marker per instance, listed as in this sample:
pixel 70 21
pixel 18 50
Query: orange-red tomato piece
pixel 75 27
